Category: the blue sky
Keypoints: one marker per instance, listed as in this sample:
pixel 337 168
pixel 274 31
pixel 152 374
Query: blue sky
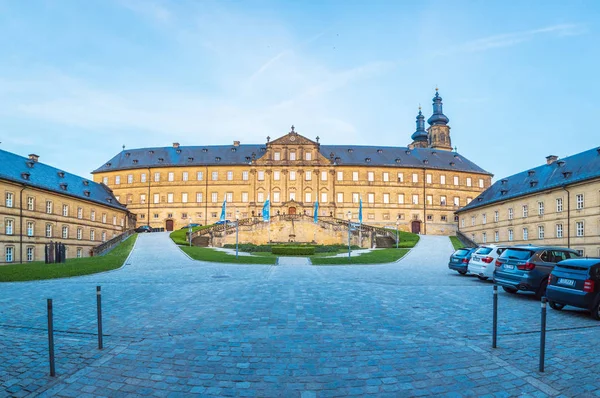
pixel 79 79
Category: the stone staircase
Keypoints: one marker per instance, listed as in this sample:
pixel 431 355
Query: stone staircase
pixel 385 242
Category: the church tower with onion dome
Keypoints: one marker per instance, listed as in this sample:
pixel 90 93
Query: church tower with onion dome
pixel 439 132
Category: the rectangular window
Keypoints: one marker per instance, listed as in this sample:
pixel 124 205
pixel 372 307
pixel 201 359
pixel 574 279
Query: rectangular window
pixel 276 197
pixel 370 176
pixel 484 237
pixel 462 222
pixel 30 228
pixel 415 177
pixel 484 218
pixel 400 198
pixel 292 155
pixel 49 207
pixel 469 200
pixel 229 197
pixel 117 180
pixel 198 197
pixel 472 220
pixel 579 228
pixel 30 253
pixel 103 236
pixel 143 177
pixel 104 218
pixel 481 183
pixel 443 180
pixel 245 197
pixel 230 176
pixel 371 197
pixel 184 197
pixel 308 175
pixel 429 178
pixel 323 176
pixel 65 232
pixel 456 201
pixel 541 232
pixel 244 176
pixel 510 235
pixel 157 177
pixel 156 198
pixel 340 197
pixel 93 215
pixel 65 211
pixel 323 197
pixel 510 213
pixel 400 177
pixel 200 176
pixel 307 197
pixel 340 176
pixel 429 199
pixel 308 156
pixel 142 198
pixel 386 198
pixel 79 213
pixel 559 205
pixel 415 199
pixel 469 181
pixel 525 234
pixel 276 175
pixel 277 156
pixel 214 197
pixel 79 233
pixel 260 197
pixel 185 176
pixel 9 254
pixel 355 197
pixel 496 236
pixel 79 252
pixel 9 224
pixel 455 180
pixel 525 211
pixel 129 178
pixel 9 199
pixel 355 176
pixel 386 177
pixel 293 196
pixel 92 235
pixel 540 208
pixel 261 175
pixel 559 230
pixel 30 203
pixel 579 201
pixel 105 180
pixel 48 230
pixel 214 176
pixel 496 216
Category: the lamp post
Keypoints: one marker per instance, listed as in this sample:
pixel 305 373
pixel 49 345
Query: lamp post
pixel 190 229
pixel 349 218
pixel 237 229
pixel 397 231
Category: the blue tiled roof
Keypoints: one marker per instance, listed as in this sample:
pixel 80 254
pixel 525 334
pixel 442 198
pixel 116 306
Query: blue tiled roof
pixel 570 170
pixel 242 154
pixel 39 175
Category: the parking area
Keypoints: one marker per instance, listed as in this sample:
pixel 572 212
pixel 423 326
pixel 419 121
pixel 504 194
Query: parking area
pixel 174 326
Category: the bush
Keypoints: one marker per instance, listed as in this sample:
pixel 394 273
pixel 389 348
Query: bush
pixel 293 250
pixel 249 247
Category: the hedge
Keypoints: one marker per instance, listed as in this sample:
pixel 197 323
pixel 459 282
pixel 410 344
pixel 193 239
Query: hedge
pixel 294 250
pixel 251 248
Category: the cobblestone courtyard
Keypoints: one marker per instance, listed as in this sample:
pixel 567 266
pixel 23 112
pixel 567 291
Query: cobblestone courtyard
pixel 176 327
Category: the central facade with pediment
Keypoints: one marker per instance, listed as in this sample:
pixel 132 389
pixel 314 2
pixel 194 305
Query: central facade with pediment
pixel 417 187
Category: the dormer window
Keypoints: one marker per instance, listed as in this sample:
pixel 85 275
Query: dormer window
pixel 160 160
pixel 567 174
pixel 398 160
pixel 109 200
pixel 61 174
pixel 408 152
pixel 263 149
pixel 86 182
pixel 380 151
pixel 86 193
pixel 533 184
pixel 425 161
pixel 452 164
pixel 190 159
pixel 151 152
pixel 178 151
pixel 503 182
pixel 204 150
pixel 30 163
pixel 63 186
pixel 248 158
pixel 560 163
pixel 127 154
pixel 337 159
pixel 368 160
pixel 433 152
pixel 503 192
pixel 25 176
pixel 455 156
pixel 350 150
pixel 233 149
pixel 530 173
pixel 217 159
pixel 108 164
pixel 135 161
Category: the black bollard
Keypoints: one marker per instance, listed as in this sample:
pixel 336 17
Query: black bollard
pixel 99 310
pixel 543 336
pixel 51 338
pixel 495 318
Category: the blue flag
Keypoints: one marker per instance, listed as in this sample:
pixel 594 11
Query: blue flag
pixel 360 210
pixel 223 210
pixel 266 211
pixel 316 215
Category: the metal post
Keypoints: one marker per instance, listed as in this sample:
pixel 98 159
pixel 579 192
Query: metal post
pixel 348 239
pixel 396 236
pixel 237 228
pixel 99 310
pixel 495 321
pixel 51 338
pixel 543 336
pixel 190 233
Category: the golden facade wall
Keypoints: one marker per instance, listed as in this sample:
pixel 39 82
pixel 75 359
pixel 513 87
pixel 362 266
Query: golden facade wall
pixel 584 221
pixel 25 231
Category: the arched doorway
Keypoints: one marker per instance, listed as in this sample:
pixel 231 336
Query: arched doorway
pixel 292 211
pixel 415 226
pixel 169 225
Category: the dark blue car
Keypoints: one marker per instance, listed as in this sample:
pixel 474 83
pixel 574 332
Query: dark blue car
pixel 575 282
pixel 459 260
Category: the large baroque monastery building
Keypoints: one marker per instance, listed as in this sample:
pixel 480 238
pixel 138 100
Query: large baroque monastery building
pixel 419 186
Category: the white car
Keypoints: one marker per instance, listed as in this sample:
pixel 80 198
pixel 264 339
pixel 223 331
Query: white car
pixel 483 261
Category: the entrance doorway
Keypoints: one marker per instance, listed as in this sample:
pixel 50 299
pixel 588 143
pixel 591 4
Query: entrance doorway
pixel 292 211
pixel 415 226
pixel 169 225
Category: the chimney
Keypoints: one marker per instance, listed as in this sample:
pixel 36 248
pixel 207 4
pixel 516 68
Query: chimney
pixel 176 145
pixel 33 157
pixel 551 159
pixel 236 143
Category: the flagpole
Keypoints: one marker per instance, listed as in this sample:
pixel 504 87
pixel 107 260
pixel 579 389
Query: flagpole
pixel 360 225
pixel 269 223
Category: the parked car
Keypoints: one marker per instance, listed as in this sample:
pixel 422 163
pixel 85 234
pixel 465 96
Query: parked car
pixel 482 262
pixel 575 282
pixel 459 260
pixel 527 267
pixel 143 228
pixel 191 226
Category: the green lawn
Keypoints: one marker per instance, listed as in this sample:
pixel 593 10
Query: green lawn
pixel 179 236
pixel 208 254
pixel 73 267
pixel 374 257
pixel 408 240
pixel 456 243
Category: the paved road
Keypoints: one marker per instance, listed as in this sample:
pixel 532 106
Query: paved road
pixel 177 327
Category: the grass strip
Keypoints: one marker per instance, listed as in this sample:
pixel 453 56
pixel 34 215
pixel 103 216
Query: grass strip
pixel 456 243
pixel 379 256
pixel 179 236
pixel 208 254
pixel 73 267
